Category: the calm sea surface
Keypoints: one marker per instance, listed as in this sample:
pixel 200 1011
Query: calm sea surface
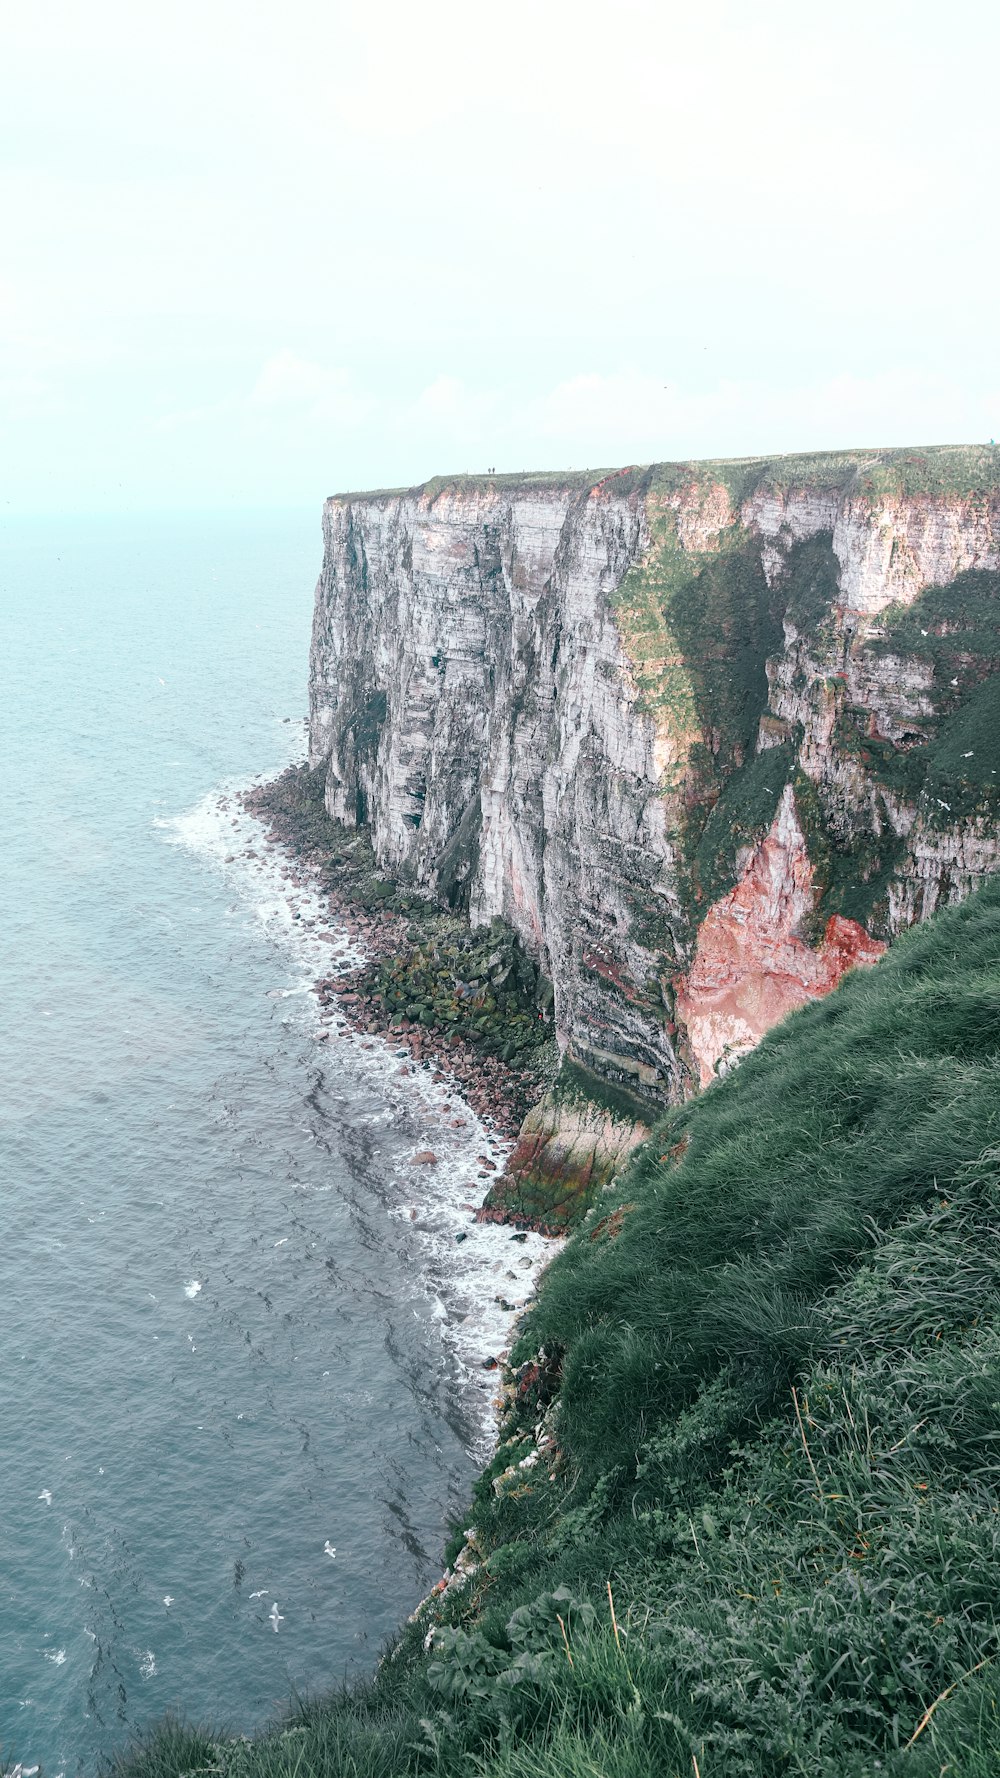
pixel 233 1339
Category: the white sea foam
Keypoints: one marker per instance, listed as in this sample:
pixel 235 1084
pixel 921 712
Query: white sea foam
pixel 147 1663
pixel 467 1266
pixel 192 1288
pixel 56 1655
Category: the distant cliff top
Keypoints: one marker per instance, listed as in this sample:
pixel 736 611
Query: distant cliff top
pixel 904 470
pixel 551 480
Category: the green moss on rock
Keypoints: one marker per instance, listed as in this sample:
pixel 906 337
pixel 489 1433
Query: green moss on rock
pixel 739 821
pixel 811 583
pixel 852 873
pixel 478 984
pixel 698 628
pixel 950 762
pixel 571 1146
pixel 575 1084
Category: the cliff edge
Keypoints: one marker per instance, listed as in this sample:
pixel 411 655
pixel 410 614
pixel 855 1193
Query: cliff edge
pixel 704 734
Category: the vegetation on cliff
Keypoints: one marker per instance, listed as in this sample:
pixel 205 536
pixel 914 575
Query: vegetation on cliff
pixel 934 469
pixel 700 626
pixel 744 1517
pixel 950 764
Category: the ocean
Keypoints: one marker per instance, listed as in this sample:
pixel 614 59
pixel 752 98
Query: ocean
pixel 242 1392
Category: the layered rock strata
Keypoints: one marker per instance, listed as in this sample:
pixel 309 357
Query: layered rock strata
pixel 704 734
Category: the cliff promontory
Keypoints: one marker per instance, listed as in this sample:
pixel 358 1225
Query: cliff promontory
pixel 704 734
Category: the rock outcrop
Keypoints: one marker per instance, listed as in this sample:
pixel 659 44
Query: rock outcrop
pixel 571 1145
pixel 706 734
pixel 752 963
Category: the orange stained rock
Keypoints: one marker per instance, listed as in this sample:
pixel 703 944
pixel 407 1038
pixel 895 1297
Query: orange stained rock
pixel 752 964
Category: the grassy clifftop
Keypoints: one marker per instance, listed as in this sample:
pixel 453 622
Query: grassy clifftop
pixel 913 469
pixel 744 1518
pixel 521 480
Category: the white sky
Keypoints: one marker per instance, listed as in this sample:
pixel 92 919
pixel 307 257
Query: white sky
pixel 251 254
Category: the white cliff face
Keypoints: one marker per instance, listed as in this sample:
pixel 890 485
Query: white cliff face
pixel 472 697
pixel 889 551
pixel 481 694
pixel 890 548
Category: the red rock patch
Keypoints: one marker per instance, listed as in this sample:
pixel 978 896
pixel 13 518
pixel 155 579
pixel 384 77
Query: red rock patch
pixel 752 965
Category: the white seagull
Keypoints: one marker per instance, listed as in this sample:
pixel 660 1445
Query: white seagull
pixel 275 1616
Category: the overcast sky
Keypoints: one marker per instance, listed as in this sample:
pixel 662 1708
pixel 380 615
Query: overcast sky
pixel 251 254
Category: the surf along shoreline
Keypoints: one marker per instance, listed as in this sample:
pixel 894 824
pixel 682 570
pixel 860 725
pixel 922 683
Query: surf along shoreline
pixel 493 1048
pixel 322 890
pixel 442 1154
pixel 475 996
pixel 466 1002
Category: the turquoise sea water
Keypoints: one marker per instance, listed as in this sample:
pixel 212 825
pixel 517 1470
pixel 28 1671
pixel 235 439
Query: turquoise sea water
pixel 233 1338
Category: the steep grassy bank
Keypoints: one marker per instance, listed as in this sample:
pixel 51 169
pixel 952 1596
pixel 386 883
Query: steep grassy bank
pixel 744 1518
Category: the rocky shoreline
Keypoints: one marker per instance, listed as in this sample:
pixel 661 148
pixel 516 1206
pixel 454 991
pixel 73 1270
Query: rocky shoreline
pixel 466 1002
pixel 500 1092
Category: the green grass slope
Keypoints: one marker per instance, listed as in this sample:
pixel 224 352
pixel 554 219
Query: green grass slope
pixel 744 1519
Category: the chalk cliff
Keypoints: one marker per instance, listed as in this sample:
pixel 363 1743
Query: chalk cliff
pixel 705 734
